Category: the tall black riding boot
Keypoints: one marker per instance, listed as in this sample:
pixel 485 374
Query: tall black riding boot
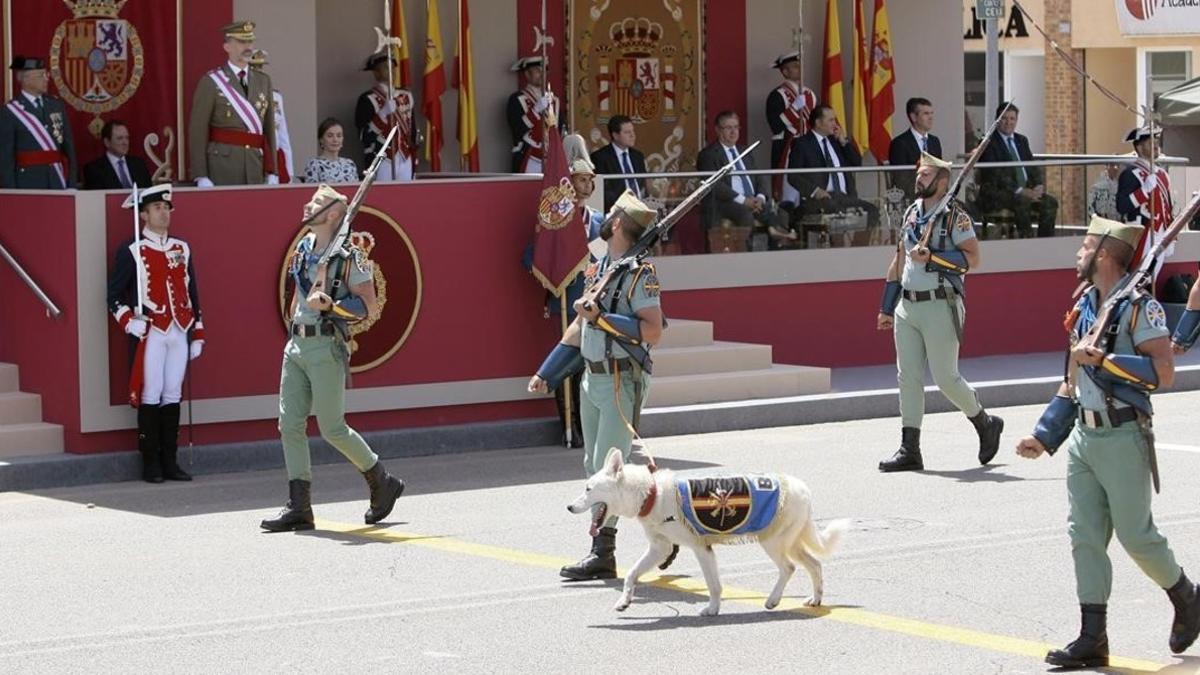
pixel 600 563
pixel 169 442
pixel 297 513
pixel 385 490
pixel 908 457
pixel 989 428
pixel 1185 595
pixel 1090 649
pixel 149 442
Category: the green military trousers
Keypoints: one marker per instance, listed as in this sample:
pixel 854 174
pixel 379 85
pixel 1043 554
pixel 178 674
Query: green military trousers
pixel 606 426
pixel 1108 482
pixel 314 381
pixel 924 333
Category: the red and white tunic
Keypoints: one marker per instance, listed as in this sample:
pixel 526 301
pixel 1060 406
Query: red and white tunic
pixel 528 130
pixel 1151 208
pixel 161 265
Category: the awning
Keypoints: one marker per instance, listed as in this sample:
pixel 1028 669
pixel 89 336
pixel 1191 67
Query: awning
pixel 1181 105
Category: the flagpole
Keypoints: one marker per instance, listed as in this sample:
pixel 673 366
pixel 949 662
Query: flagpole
pixel 387 25
pixel 566 385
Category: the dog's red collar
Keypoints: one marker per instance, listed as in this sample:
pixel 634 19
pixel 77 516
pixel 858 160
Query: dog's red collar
pixel 648 505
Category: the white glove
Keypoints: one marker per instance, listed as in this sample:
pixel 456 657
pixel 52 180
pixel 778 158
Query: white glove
pixel 136 327
pixel 1150 183
pixel 388 109
pixel 798 103
pixel 272 179
pixel 195 349
pixel 203 182
pixel 543 103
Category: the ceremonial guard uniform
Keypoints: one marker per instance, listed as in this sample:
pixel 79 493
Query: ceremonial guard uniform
pixel 926 302
pixel 37 151
pixel 374 117
pixel 170 332
pixel 284 161
pixel 231 134
pixel 1144 196
pixel 316 361
pixel 526 112
pixel 616 376
pixel 1104 421
pixel 788 107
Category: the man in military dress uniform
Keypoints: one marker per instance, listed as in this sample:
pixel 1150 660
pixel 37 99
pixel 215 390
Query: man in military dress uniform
pixel 923 305
pixel 1102 414
pixel 231 135
pixel 158 267
pixel 611 344
pixel 788 108
pixel 375 115
pixel 1144 195
pixel 37 151
pixel 526 113
pixel 316 361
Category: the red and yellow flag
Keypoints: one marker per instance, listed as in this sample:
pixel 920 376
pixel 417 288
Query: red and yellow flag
pixel 831 70
pixel 464 81
pixel 434 84
pixel 402 75
pixel 560 249
pixel 860 129
pixel 883 82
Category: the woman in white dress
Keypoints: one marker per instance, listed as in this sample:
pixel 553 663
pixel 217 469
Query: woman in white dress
pixel 329 166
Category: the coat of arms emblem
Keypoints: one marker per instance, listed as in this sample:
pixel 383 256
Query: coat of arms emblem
pixel 96 58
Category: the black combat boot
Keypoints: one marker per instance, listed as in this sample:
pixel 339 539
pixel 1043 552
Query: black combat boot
pixel 601 563
pixel 149 442
pixel 1186 597
pixel 297 513
pixel 1090 649
pixel 908 457
pixel 989 428
pixel 169 442
pixel 385 490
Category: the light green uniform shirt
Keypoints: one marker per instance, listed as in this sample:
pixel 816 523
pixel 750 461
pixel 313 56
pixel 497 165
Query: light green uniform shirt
pixel 1151 323
pixel 639 291
pixel 304 261
pixel 914 277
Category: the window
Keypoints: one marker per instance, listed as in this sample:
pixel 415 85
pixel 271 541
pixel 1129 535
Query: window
pixel 1164 70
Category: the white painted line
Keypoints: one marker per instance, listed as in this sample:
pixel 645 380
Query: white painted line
pixel 1175 446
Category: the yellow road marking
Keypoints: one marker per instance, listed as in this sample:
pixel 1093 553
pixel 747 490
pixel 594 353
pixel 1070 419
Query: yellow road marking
pixel 849 615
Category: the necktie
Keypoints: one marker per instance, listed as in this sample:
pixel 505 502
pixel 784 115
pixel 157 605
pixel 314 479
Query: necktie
pixel 747 186
pixel 626 167
pixel 123 174
pixel 924 144
pixel 37 108
pixel 242 79
pixel 1016 157
pixel 835 178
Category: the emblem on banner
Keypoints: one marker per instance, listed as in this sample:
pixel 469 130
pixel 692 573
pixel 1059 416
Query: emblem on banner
pixel 636 72
pixel 96 58
pixel 557 205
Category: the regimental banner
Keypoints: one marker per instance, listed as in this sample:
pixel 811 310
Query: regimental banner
pixel 108 59
pixel 643 60
pixel 397 273
pixel 1159 17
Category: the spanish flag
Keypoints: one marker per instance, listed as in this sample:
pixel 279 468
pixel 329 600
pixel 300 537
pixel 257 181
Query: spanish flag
pixel 434 86
pixel 883 81
pixel 464 81
pixel 831 70
pixel 860 129
pixel 402 76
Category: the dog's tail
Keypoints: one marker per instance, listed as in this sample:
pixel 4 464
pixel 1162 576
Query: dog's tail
pixel 822 544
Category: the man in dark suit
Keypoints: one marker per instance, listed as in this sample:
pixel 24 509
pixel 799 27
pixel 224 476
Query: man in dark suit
pixel 827 146
pixel 906 148
pixel 1021 190
pixel 117 169
pixel 620 157
pixel 740 199
pixel 37 151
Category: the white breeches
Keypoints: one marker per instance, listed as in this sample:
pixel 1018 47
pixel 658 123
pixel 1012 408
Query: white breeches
pixel 399 168
pixel 533 165
pixel 166 358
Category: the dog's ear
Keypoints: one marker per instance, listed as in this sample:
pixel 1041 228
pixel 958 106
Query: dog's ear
pixel 613 463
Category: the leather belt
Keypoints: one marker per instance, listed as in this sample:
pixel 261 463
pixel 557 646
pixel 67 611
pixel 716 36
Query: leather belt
pixel 609 365
pixel 923 296
pixel 312 330
pixel 235 137
pixel 1112 418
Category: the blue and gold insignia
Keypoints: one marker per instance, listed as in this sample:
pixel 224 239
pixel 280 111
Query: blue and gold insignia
pixel 1155 314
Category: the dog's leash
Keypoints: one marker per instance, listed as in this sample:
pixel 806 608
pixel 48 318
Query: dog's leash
pixel 650 463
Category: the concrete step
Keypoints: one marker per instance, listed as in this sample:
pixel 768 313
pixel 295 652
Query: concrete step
pixel 19 407
pixel 686 333
pixel 9 377
pixel 718 357
pixel 773 382
pixel 35 438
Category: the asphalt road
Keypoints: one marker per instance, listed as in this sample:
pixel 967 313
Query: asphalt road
pixel 958 569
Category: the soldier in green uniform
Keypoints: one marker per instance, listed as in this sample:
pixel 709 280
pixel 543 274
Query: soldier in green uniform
pixel 231 132
pixel 316 361
pixel 611 345
pixel 923 306
pixel 1102 413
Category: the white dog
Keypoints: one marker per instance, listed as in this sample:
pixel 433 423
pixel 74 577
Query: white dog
pixel 698 510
